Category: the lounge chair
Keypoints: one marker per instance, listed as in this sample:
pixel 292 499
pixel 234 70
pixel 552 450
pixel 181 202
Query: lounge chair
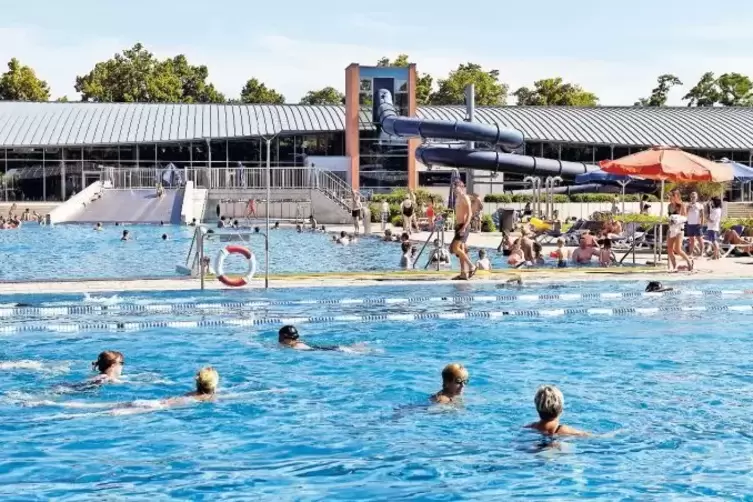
pixel 630 236
pixel 745 249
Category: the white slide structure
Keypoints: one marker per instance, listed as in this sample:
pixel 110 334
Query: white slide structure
pixel 131 206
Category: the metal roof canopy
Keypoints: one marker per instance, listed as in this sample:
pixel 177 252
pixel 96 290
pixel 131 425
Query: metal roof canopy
pixel 43 125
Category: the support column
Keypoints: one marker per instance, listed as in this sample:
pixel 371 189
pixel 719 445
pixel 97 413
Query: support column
pixel 352 133
pixel 413 142
pixel 62 174
pixel 470 109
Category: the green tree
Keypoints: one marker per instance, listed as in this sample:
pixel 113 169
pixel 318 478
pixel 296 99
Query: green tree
pixel 136 76
pixel 729 89
pixel 20 83
pixel 660 93
pixel 192 81
pixel 255 92
pixel 424 81
pixel 704 93
pixel 489 90
pixel 325 96
pixel 62 99
pixel 554 92
pixel 735 90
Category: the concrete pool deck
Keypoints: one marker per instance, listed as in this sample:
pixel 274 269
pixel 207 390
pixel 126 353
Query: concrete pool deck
pixel 730 268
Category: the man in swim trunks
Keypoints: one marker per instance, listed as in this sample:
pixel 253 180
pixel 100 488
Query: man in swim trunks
pixel 356 211
pixel 463 213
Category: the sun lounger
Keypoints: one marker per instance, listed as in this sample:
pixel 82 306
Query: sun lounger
pixel 630 236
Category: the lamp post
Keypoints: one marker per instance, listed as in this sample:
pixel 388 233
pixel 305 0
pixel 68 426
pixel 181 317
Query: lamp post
pixel 268 140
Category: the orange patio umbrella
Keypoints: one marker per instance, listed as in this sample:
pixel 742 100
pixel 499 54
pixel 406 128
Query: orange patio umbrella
pixel 668 164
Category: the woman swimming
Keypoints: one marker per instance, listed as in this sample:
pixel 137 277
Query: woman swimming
pixel 549 404
pixel 454 381
pixel 109 364
pixel 207 380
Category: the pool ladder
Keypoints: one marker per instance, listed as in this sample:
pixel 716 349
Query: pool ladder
pixel 439 231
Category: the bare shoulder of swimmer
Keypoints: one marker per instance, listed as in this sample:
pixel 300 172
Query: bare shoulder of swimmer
pixel 566 430
pixel 440 398
pixel 302 346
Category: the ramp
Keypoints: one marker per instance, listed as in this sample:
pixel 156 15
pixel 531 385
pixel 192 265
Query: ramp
pixel 132 206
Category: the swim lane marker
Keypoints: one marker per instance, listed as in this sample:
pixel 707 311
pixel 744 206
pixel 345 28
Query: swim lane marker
pixel 249 306
pixel 279 321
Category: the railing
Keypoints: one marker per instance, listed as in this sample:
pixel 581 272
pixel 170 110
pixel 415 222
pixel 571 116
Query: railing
pixel 253 178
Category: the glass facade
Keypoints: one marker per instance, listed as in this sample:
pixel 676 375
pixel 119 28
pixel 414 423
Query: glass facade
pixel 37 174
pixel 383 158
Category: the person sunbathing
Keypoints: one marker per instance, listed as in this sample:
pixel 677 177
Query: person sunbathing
pixel 732 237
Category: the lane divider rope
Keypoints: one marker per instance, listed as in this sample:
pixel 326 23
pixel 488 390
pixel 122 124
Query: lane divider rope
pixel 279 321
pixel 248 306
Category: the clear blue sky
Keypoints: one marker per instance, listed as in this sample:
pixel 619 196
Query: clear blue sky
pixel 616 51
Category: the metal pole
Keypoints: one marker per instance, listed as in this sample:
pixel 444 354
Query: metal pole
pixel 44 176
pixel 661 216
pixel 470 107
pixel 269 196
pixel 200 242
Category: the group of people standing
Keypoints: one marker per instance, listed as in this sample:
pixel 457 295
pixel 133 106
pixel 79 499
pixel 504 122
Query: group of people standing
pixel 689 220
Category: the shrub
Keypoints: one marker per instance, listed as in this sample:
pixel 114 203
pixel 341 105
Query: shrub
pixel 499 198
pixel 397 196
pixel 487 224
pixel 397 221
pixel 522 198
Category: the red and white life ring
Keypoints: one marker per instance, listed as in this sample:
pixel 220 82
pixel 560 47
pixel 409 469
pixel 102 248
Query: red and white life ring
pixel 219 266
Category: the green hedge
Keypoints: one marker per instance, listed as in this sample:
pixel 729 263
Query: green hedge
pixel 397 196
pixel 505 198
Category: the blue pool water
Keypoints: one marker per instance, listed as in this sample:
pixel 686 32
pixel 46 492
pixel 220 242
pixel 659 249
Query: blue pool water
pixel 76 251
pixel 670 396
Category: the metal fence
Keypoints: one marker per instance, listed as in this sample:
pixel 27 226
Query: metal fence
pixel 250 178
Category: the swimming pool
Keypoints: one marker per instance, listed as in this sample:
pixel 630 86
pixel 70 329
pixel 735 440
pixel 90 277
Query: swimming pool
pixel 669 391
pixel 78 252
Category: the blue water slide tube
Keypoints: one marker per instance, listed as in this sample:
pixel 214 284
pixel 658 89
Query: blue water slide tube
pixel 503 162
pixel 507 139
pixel 395 125
pixel 576 189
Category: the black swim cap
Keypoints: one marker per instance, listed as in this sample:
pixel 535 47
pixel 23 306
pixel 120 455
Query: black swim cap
pixel 653 286
pixel 289 331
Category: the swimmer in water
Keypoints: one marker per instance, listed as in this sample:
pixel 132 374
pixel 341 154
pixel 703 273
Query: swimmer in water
pixel 109 364
pixel 98 227
pixel 126 236
pixel 657 287
pixel 207 381
pixel 549 405
pixel 454 381
pixel 288 337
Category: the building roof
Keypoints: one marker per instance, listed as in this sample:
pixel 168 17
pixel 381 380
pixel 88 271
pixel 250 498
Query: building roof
pixel 71 124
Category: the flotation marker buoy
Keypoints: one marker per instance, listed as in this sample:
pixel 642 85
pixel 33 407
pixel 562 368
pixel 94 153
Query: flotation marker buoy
pixel 219 266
